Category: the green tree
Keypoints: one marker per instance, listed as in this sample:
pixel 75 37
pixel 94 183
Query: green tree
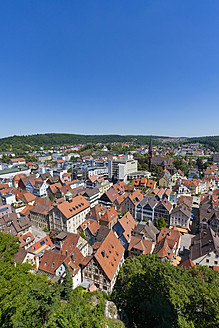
pixel 51 197
pixel 160 223
pixel 67 283
pixel 70 170
pixel 153 293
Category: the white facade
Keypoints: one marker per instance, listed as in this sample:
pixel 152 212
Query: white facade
pixel 76 279
pixel 10 173
pixel 98 171
pixel 179 219
pixel 210 259
pixel 9 199
pixel 119 169
pixel 75 221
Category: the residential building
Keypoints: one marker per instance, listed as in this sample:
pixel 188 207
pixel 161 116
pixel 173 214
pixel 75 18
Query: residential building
pixel 205 248
pixel 109 218
pixel 17 161
pixel 146 230
pixel 102 268
pixel 92 195
pixel 145 208
pixel 129 204
pixel 138 247
pixel 68 215
pixel 52 263
pixel 180 216
pixel 39 216
pixel 163 208
pixel 168 243
pixel 123 229
pixel 5 209
pixel 108 198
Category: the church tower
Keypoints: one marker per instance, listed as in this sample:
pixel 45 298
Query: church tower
pixel 150 155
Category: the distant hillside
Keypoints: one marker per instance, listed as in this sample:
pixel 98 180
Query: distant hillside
pixel 211 142
pixel 20 144
pixel 24 143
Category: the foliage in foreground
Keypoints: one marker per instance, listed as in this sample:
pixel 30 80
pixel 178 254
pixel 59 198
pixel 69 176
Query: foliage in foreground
pixel 156 294
pixel 28 300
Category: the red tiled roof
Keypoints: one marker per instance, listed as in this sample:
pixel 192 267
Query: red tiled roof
pixel 69 209
pixel 51 261
pixel 142 244
pixel 45 240
pixel 128 223
pixel 187 264
pixel 109 254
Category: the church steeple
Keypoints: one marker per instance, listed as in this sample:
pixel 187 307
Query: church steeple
pixel 150 154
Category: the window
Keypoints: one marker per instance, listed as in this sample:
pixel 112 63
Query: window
pixel 215 262
pixel 207 261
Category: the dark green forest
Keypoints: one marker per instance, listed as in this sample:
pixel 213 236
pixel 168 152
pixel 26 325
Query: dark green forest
pixel 19 144
pixel 156 294
pixel 211 142
pixel 24 143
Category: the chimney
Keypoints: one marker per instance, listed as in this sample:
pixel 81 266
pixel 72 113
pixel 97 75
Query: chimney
pixel 66 252
pixel 73 257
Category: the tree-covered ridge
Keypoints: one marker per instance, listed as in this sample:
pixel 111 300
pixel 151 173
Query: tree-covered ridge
pixel 29 300
pixel 58 139
pixel 25 143
pixel 157 294
pixel 211 142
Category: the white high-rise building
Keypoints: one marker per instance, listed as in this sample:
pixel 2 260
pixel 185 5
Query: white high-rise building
pixel 120 168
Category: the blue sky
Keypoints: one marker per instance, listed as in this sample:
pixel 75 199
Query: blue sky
pixel 99 67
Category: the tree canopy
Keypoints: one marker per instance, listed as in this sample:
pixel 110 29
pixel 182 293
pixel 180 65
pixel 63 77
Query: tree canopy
pixel 29 300
pixel 160 223
pixel 157 294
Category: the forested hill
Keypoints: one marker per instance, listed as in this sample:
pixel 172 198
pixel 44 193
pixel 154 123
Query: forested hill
pixel 57 139
pixel 211 141
pixel 24 143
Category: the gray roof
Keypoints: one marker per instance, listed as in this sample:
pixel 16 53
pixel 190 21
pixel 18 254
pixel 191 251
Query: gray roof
pixel 147 229
pixel 182 208
pixel 152 201
pixel 203 243
pixel 91 192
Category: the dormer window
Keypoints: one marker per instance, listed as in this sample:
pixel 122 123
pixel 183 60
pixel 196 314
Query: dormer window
pixel 45 263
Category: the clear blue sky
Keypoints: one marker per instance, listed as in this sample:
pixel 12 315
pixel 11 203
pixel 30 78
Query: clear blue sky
pixel 99 67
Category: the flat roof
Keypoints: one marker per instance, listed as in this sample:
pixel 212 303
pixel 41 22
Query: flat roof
pixel 12 170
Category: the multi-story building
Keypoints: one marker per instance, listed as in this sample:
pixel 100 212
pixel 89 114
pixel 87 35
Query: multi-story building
pixel 180 216
pixel 17 161
pixel 145 208
pixel 205 248
pixel 102 268
pixel 120 168
pixel 39 216
pixel 129 204
pixel 68 215
pixel 163 208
